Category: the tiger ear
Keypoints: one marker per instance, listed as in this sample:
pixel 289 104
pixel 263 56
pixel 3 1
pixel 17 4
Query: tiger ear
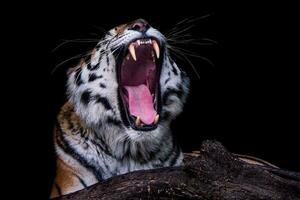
pixel 73 69
pixel 82 62
pixel 120 29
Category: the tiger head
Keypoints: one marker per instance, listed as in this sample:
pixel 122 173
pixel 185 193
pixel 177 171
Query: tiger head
pixel 129 87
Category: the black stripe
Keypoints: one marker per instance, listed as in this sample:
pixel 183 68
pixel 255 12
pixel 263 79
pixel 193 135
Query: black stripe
pixel 87 59
pixel 102 85
pixel 180 88
pixel 105 164
pixel 171 61
pixel 123 144
pixel 98 46
pixel 144 154
pixel 166 115
pixel 115 122
pixel 80 180
pixel 147 155
pixel 175 156
pixel 127 143
pixel 168 79
pixel 173 67
pixel 139 156
pixel 63 143
pixel 169 92
pixel 77 77
pixel 167 155
pixel 107 59
pixel 86 97
pixel 101 144
pixel 104 102
pixel 58 189
pixel 93 77
pixel 174 70
pixel 95 67
pixel 89 66
pixel 101 54
pixel 83 134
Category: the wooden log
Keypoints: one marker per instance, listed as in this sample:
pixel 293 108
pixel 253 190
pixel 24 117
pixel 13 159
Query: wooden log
pixel 211 173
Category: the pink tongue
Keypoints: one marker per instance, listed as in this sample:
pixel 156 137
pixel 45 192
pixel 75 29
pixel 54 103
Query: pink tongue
pixel 140 103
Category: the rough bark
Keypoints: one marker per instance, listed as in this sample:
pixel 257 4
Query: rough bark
pixel 212 173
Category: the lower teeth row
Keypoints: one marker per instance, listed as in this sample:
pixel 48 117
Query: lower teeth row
pixel 139 124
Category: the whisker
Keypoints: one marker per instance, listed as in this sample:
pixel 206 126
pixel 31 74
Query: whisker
pixel 72 58
pixel 210 40
pixel 177 25
pixel 190 53
pixel 192 65
pixel 201 17
pixel 84 40
pixel 183 30
pixel 180 36
pixel 189 41
pixel 105 40
pixel 186 22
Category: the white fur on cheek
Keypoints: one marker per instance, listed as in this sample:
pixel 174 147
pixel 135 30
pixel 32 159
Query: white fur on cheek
pixel 175 81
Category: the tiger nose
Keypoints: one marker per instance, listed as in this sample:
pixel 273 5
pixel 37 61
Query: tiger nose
pixel 139 25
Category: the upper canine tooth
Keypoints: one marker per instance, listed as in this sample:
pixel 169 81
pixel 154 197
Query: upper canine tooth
pixel 132 51
pixel 156 48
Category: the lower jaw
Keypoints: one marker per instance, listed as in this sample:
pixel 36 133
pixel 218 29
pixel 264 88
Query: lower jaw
pixel 129 121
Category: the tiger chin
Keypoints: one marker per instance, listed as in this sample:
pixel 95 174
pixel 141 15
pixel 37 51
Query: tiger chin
pixel 121 101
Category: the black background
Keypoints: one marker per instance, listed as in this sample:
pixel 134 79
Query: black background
pixel 247 99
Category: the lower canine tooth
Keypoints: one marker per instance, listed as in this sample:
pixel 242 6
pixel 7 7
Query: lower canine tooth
pixel 156 119
pixel 138 122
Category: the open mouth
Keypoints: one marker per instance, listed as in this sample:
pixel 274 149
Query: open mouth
pixel 138 76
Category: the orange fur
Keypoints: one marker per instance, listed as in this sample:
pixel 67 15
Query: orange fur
pixel 65 178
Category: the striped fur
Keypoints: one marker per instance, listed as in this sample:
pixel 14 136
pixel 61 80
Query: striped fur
pixel 91 140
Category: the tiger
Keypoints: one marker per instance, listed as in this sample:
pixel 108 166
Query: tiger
pixel 121 100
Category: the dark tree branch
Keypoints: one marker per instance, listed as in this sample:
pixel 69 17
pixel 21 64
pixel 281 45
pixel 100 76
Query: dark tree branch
pixel 213 173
